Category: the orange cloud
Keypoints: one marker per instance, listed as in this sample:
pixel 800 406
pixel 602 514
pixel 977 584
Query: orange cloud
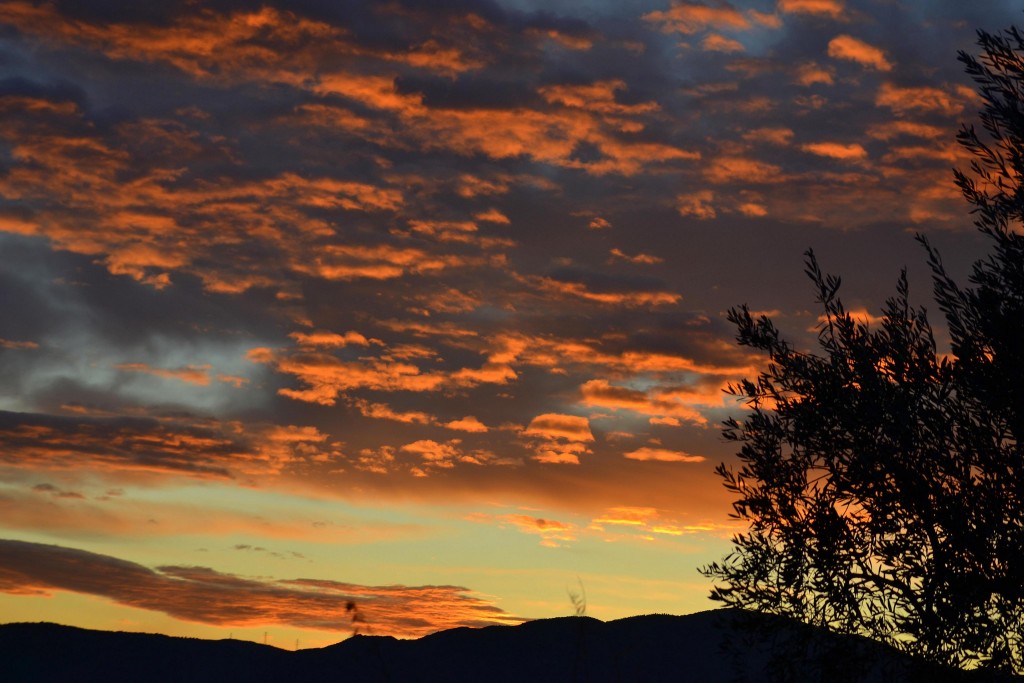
pixel 193 374
pixel 691 17
pixel 552 530
pixel 382 411
pixel 378 262
pixel 901 100
pixel 553 533
pixel 893 129
pixel 697 204
pixel 203 595
pixel 640 259
pixel 775 136
pixel 545 136
pixel 627 516
pixel 133 447
pixel 573 42
pixel 376 460
pixel 854 50
pixel 449 300
pixel 322 339
pixel 830 8
pixel 859 315
pixel 493 216
pixel 810 73
pixel 598 96
pixel 836 150
pixel 9 344
pixel 557 425
pixel 644 521
pixel 752 209
pixel 147 224
pixel 265 44
pixel 600 393
pixel 731 169
pixel 326 377
pixel 558 439
pixel 435 454
pixel 662 455
pixel 627 298
pixel 948 151
pixel 545 352
pixel 429 329
pixel 467 424
pixel 472 186
pixel 714 42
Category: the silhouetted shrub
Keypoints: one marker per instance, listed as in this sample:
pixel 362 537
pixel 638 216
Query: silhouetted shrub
pixel 883 481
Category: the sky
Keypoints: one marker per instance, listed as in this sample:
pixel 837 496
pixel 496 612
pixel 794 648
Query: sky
pixel 421 306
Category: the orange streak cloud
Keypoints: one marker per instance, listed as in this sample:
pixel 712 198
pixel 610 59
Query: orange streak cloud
pixel 580 290
pixel 202 595
pixel 9 344
pixel 662 455
pixel 640 259
pixel 194 374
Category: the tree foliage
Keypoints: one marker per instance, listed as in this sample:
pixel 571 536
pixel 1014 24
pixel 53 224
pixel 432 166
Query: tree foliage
pixel 883 481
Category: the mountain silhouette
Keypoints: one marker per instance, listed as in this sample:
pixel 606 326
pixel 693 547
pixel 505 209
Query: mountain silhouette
pixel 707 647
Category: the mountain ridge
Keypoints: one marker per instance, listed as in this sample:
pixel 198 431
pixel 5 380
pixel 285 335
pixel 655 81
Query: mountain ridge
pixel 705 647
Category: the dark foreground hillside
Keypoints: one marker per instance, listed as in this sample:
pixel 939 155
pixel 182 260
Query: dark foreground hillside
pixel 703 648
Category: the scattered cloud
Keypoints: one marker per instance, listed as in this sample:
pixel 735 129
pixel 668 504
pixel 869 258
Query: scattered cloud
pixel 691 17
pixel 640 259
pixel 467 424
pixel 855 50
pixel 697 204
pixel 600 393
pixel 834 9
pixel 662 455
pixel 905 100
pixel 559 439
pixel 714 42
pixel 810 73
pixel 836 150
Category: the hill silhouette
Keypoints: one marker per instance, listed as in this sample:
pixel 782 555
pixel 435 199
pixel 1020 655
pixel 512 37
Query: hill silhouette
pixel 707 647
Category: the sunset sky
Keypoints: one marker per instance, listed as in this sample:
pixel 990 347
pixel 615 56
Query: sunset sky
pixel 421 305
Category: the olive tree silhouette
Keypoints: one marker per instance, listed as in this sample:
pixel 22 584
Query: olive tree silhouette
pixel 883 482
